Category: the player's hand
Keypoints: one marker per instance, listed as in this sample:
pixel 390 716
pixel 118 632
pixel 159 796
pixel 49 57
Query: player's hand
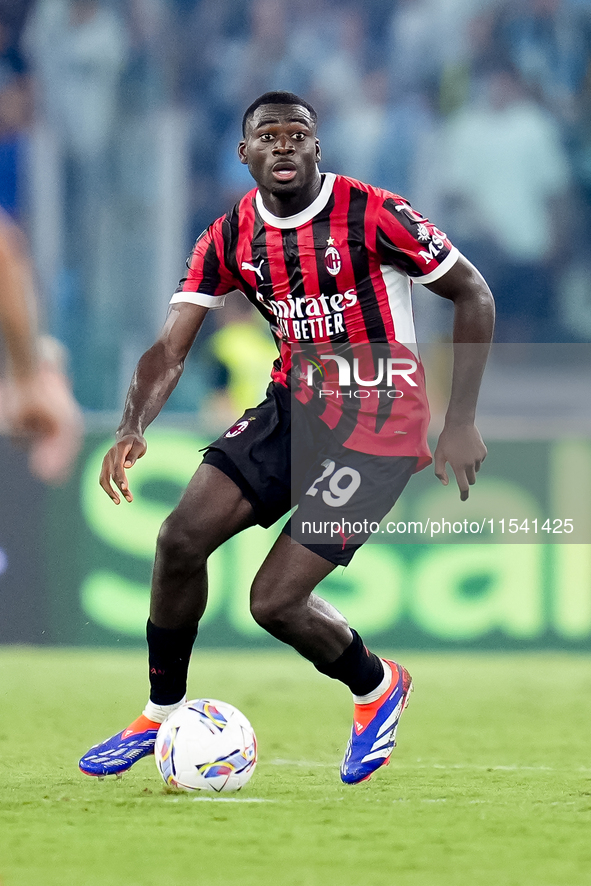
pixel 460 446
pixel 41 415
pixel 122 455
pixel 31 413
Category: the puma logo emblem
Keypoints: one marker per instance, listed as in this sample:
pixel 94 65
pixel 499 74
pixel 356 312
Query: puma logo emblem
pixel 345 538
pixel 246 266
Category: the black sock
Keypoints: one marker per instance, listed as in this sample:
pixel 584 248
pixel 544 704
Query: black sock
pixel 357 667
pixel 169 653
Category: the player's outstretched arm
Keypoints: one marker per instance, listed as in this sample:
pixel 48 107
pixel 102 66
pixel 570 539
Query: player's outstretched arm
pixel 154 380
pixel 37 405
pixel 18 321
pixel 460 444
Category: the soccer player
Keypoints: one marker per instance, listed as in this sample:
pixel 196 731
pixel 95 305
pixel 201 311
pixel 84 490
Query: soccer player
pixel 329 262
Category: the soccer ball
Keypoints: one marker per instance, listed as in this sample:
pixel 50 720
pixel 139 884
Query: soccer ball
pixel 206 745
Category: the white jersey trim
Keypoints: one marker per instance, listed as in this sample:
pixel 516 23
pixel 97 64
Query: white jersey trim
pixel 447 263
pixel 198 298
pixel 303 217
pixel 398 287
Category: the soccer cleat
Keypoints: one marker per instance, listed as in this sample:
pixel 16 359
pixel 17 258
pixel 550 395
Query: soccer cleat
pixel 117 754
pixel 373 736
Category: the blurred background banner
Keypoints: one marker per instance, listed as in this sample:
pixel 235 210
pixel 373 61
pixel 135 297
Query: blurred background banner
pixel 119 121
pixel 91 580
pixel 24 600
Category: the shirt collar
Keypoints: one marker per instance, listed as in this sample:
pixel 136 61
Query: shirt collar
pixel 300 218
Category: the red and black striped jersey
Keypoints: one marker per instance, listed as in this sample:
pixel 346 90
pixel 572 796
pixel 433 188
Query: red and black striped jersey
pixel 334 281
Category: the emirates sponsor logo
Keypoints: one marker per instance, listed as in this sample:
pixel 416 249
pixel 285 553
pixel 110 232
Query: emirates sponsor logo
pixel 309 318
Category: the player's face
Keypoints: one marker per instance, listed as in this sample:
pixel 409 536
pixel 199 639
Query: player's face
pixel 282 151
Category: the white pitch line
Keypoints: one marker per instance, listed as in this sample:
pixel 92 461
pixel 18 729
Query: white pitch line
pixel 231 800
pixel 308 764
pixel 485 768
pixel 221 800
pixel 315 764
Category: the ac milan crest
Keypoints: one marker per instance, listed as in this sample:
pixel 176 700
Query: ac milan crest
pixel 332 259
pixel 238 428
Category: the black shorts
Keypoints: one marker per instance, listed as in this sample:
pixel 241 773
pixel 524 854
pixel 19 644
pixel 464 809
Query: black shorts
pixel 282 456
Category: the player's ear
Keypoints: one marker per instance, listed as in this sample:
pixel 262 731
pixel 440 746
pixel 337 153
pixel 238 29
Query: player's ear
pixel 318 152
pixel 242 152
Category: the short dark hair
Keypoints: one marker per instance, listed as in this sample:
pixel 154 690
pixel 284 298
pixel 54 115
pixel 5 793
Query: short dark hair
pixel 277 98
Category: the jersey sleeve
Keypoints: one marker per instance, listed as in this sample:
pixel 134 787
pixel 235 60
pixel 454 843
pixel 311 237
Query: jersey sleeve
pixel 208 280
pixel 411 243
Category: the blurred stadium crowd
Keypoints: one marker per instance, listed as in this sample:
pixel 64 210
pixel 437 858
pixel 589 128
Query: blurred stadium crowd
pixel 119 121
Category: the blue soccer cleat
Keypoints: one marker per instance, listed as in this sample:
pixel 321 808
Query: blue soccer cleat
pixel 117 754
pixel 373 736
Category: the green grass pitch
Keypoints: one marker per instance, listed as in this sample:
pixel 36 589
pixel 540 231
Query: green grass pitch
pixel 490 783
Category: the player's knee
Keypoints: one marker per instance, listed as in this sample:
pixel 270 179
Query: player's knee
pixel 180 547
pixel 267 615
pixel 271 612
